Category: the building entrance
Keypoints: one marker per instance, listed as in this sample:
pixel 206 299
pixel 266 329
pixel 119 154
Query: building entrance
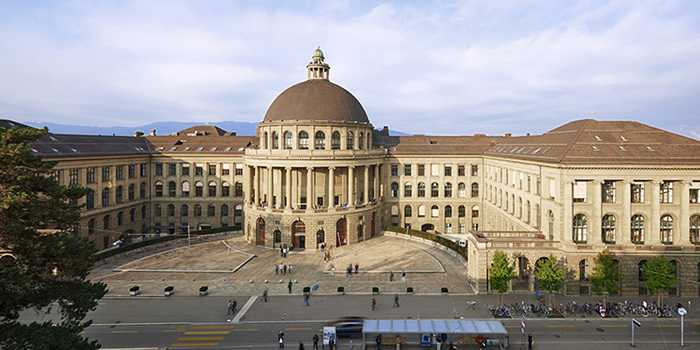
pixel 299 235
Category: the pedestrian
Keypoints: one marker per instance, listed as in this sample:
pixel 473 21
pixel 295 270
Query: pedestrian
pixel 396 300
pixel 280 339
pixel 403 276
pixel 315 339
pixel 277 269
pixel 378 340
pixel 234 306
pixel 229 307
pixel 306 299
pixel 391 276
pixel 357 268
pixel 348 271
pixel 284 269
pixel 331 343
pixel 289 286
pixel 374 304
pixel 281 252
pixel 301 346
pixel 265 295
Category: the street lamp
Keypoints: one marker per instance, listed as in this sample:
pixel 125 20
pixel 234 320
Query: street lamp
pixel 188 237
pixel 682 312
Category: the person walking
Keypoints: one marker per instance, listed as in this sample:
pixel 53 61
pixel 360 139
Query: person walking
pixel 301 346
pixel 229 307
pixel 378 340
pixel 396 300
pixel 315 340
pixel 234 306
pixel 289 286
pixel 391 276
pixel 281 252
pixel 265 295
pixel 277 269
pixel 284 269
pixel 280 339
pixel 374 304
pixel 306 299
pixel 403 276
pixel 357 268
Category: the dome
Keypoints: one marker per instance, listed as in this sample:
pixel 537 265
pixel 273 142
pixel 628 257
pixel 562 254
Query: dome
pixel 316 99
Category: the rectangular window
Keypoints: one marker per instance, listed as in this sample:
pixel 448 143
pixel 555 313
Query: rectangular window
pixel 421 169
pixel 538 186
pixel 407 169
pixel 637 192
pixel 91 175
pixel 212 169
pixel 105 174
pixel 434 169
pixel 226 170
pixel 172 169
pixel 666 189
pixel 119 172
pixel 552 188
pixel 529 183
pixel 460 170
pixel 132 171
pixel 475 170
pixel 461 228
pixel 239 170
pixel 185 169
pixel 580 191
pixel 608 191
pixel 159 169
pixel 142 169
pixel 74 177
pixel 198 170
pixel 394 170
pixel 448 170
pixel 694 193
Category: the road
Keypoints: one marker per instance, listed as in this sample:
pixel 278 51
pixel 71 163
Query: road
pixel 201 323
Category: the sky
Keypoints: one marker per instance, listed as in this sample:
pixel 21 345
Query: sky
pixel 442 67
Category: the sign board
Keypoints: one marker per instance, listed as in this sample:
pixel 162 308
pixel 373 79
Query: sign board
pixel 425 340
pixel 636 323
pixel 682 311
pixel 328 334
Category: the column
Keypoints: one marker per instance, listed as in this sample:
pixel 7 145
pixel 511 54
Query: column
pixel 288 188
pixel 622 232
pixel 366 188
pixel 246 185
pixel 376 182
pixel 269 188
pixel 256 186
pixel 351 186
pixel 594 230
pixel 309 184
pixel 652 236
pixel 331 192
pixel 683 227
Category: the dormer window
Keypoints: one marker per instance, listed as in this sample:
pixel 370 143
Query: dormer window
pixel 624 139
pixel 597 138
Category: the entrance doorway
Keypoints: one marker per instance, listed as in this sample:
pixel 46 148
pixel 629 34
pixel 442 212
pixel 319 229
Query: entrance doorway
pixel 341 232
pixel 320 238
pixel 299 235
pixel 276 238
pixel 427 228
pixel 260 231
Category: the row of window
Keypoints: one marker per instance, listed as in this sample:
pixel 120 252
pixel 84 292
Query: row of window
pixel 107 219
pixel 118 195
pixel 434 170
pixel 637 229
pixel 319 140
pixel 435 211
pixel 121 172
pixel 197 210
pixel 637 192
pixel 198 169
pixel 434 190
pixel 212 189
pixel 525 182
pixel 519 209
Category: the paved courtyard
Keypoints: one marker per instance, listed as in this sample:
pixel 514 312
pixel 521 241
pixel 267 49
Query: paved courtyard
pixel 213 264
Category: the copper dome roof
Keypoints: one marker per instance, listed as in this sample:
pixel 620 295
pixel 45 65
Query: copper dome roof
pixel 316 99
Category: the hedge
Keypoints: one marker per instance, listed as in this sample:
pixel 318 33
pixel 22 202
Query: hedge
pixel 454 246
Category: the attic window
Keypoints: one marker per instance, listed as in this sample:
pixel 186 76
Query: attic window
pixel 179 142
pixel 595 148
pixel 161 148
pixel 650 149
pixel 597 138
pixel 622 148
pixel 200 148
pixel 536 150
pixel 624 139
pixel 53 149
pixel 213 149
pixel 173 148
pixel 228 149
pixel 73 150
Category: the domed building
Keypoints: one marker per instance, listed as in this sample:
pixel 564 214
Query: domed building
pixel 315 175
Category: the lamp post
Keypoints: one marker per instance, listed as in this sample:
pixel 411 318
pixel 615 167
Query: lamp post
pixel 682 312
pixel 188 237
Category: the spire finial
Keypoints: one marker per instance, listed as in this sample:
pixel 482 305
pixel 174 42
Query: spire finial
pixel 318 68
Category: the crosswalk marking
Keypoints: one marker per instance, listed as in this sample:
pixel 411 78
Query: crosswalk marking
pixel 200 339
pixel 192 345
pixel 206 332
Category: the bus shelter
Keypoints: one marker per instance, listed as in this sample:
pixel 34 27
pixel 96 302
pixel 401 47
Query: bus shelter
pixel 414 334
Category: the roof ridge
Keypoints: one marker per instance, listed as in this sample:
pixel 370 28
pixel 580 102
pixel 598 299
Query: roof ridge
pixel 574 140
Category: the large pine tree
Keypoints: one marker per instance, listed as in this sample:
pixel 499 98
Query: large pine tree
pixel 48 263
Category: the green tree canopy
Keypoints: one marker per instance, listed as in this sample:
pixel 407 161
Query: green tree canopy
pixel 660 274
pixel 49 266
pixel 550 274
pixel 501 272
pixel 606 275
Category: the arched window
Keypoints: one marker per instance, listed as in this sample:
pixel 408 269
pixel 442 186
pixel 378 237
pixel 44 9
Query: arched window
pixel 448 189
pixel 106 222
pixel 335 140
pixel 448 211
pixel 361 140
pixel 120 218
pixel 407 211
pixel 172 189
pixel 238 189
pixel 475 211
pixel 265 146
pixel 350 140
pixel 421 189
pixel 550 224
pixel 394 190
pixel 434 190
pixel 185 189
pixel 320 140
pixel 407 189
pixel 119 195
pixel 131 192
pixel 198 189
pixel 225 189
pixel 90 199
pixel 582 273
pixel 211 210
pixel 171 210
pixel 421 211
pixel 434 211
pixel 212 189
pixel 462 189
pixel 288 140
pixel 394 210
pixel 475 190
pixel 224 210
pixel 520 207
pixel 608 229
pixel 580 228
pixel 197 210
pixel 666 227
pixel 159 190
pixel 156 210
pixel 184 210
pixel 369 141
pixel 695 229
pixel 637 229
pixel 303 140
pixel 91 227
pixel 275 140
pixel 461 211
pixel 142 190
pixel 132 215
pixel 527 211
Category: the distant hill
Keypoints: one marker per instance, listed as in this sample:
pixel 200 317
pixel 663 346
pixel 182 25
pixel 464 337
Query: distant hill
pixel 162 128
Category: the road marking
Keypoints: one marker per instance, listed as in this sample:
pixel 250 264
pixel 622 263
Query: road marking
pixel 191 345
pixel 299 329
pixel 213 326
pixel 244 330
pixel 200 339
pixel 207 332
pixel 125 332
pixel 562 326
pixel 244 309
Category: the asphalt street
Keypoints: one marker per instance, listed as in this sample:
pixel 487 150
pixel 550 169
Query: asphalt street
pixel 202 323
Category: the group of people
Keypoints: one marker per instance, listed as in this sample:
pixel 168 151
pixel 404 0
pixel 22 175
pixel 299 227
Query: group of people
pixel 232 307
pixel 403 276
pixel 284 250
pixel 349 270
pixel 283 269
pixel 316 339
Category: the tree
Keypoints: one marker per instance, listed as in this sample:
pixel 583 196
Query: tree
pixel 51 263
pixel 550 274
pixel 501 273
pixel 660 275
pixel 605 277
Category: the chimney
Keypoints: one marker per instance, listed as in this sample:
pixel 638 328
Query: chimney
pixel 508 134
pixel 138 134
pixel 153 132
pixel 385 131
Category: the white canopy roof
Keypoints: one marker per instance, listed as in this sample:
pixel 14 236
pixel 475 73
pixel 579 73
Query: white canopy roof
pixel 447 326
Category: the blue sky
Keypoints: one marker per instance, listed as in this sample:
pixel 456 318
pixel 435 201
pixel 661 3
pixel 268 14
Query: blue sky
pixel 424 67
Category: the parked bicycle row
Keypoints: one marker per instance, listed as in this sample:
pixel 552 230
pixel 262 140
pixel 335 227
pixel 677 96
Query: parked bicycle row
pixel 573 309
